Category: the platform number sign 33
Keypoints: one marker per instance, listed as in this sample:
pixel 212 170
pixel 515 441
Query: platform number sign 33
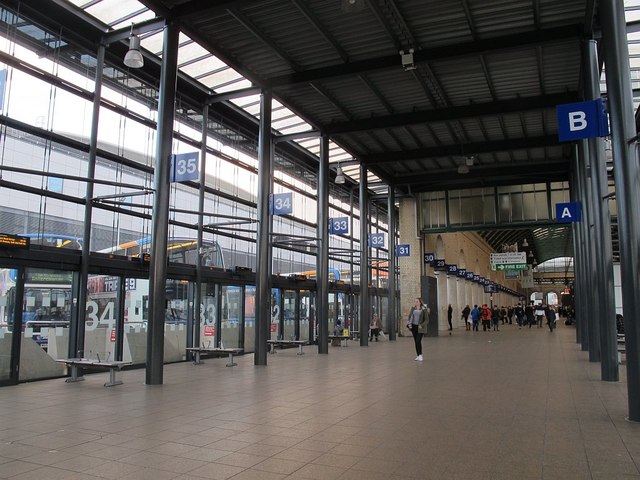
pixel 184 167
pixel 281 203
pixel 376 240
pixel 339 226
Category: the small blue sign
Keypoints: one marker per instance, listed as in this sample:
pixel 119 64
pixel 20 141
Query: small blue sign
pixel 429 258
pixel 582 120
pixel 462 272
pixel 440 264
pixel 281 203
pixel 376 240
pixel 469 276
pixel 568 212
pixel 403 250
pixel 184 167
pixel 339 226
pixel 476 278
pixel 452 269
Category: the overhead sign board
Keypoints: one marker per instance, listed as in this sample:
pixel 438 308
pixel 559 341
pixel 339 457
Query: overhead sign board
pixel 452 269
pixel 13 241
pixel 403 250
pixel 440 264
pixel 184 167
pixel 376 240
pixel 462 272
pixel 339 226
pixel 281 203
pixel 582 120
pixel 509 257
pixel 429 258
pixel 501 267
pixel 568 212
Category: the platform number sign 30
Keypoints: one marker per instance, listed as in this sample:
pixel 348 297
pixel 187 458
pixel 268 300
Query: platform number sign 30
pixel 281 203
pixel 184 167
pixel 339 226
pixel 376 240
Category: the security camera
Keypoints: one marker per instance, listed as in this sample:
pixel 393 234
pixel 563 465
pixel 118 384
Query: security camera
pixel 407 60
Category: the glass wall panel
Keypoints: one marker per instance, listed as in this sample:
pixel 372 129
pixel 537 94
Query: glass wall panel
pixel 290 314
pixel 208 315
pixel 178 298
pixel 333 314
pixel 100 319
pixel 136 315
pixel 45 328
pixel 305 314
pixel 232 302
pixel 276 314
pixel 8 279
pixel 249 318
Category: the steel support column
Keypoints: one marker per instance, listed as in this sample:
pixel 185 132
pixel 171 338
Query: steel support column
pixel 602 230
pixel 194 341
pixel 627 178
pixel 577 249
pixel 76 340
pixel 391 310
pixel 584 224
pixel 263 278
pixel 364 258
pixel 322 259
pixel 590 248
pixel 160 221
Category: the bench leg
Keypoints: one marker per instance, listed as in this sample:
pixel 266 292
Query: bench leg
pixel 196 360
pixel 231 364
pixel 300 348
pixel 112 379
pixel 74 375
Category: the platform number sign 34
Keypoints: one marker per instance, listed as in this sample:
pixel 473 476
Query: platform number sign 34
pixel 281 203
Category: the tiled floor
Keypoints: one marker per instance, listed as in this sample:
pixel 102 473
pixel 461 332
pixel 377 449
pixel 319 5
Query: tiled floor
pixel 514 404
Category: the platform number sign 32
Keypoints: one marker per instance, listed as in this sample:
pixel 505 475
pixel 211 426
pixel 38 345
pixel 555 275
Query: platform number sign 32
pixel 281 203
pixel 376 240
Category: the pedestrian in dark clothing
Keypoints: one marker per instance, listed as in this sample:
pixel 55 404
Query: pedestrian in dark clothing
pixel 550 315
pixel 465 316
pixel 449 315
pixel 528 313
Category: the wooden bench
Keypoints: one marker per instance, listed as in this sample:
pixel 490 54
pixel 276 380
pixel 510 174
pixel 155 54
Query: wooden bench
pixel 284 343
pixel 199 351
pixel 341 338
pixel 89 364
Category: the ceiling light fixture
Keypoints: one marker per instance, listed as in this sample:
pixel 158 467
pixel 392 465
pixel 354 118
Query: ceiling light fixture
pixel 525 243
pixel 339 180
pixel 462 169
pixel 134 58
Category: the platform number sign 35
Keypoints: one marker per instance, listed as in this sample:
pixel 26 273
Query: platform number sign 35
pixel 376 240
pixel 339 226
pixel 184 167
pixel 281 203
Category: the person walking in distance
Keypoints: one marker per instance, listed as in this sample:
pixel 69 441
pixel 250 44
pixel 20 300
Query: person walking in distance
pixel 374 327
pixel 417 323
pixel 449 317
pixel 466 311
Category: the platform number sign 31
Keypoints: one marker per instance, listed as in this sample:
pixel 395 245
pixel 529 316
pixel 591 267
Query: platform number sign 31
pixel 376 240
pixel 403 250
pixel 281 203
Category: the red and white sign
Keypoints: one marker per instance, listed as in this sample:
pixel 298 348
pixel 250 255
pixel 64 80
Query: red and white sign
pixel 274 327
pixel 209 330
pixel 113 335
